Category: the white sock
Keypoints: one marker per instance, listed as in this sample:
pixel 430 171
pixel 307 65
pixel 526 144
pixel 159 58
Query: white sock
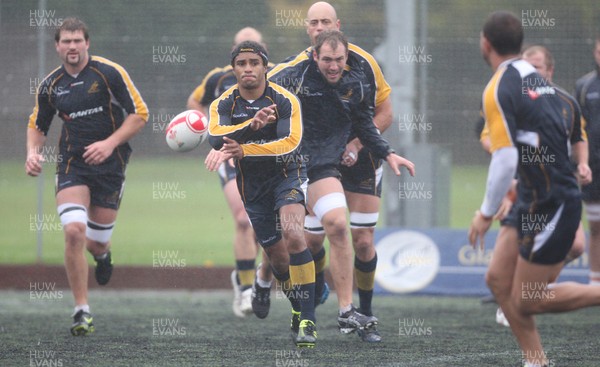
pixel 101 257
pixel 263 283
pixel 343 310
pixel 85 308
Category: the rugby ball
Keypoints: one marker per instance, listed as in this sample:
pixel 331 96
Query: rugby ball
pixel 187 130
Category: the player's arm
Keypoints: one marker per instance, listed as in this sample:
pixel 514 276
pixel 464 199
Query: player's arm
pixel 98 152
pixel 579 147
pixel 130 99
pixel 37 128
pixel 220 125
pixel 382 119
pixel 289 128
pixel 381 98
pixel 35 141
pixel 498 106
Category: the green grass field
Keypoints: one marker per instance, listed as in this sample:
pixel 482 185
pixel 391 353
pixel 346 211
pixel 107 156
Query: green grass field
pixel 135 328
pixel 169 204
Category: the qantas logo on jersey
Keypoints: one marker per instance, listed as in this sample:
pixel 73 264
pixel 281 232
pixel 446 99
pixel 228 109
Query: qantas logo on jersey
pixel 255 108
pixel 91 111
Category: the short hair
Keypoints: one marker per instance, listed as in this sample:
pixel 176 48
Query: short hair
pixel 250 46
pixel 72 24
pixel 333 38
pixel 544 50
pixel 504 31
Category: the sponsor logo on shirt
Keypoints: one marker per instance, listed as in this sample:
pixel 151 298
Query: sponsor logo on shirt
pixel 91 111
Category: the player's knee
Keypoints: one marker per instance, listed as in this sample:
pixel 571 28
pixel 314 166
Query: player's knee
pixel 73 218
pixel 362 240
pixel 294 239
pixel 335 226
pixel 495 282
pixel 242 223
pixel 74 234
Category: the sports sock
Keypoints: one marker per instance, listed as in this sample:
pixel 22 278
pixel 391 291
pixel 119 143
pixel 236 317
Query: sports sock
pixel 365 279
pixel 286 287
pixel 262 283
pixel 85 308
pixel 302 273
pixel 101 257
pixel 319 259
pixel 245 273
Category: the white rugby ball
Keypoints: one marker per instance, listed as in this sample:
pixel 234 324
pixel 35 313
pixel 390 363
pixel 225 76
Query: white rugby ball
pixel 187 130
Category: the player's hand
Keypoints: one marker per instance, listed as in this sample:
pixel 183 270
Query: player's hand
pixel 350 155
pixel 263 117
pixel 33 164
pixel 584 174
pixel 98 152
pixel 232 149
pixel 479 226
pixel 395 161
pixel 214 159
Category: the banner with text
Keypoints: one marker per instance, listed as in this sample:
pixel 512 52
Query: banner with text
pixel 441 261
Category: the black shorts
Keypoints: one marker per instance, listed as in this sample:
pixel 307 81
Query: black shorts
pixel 321 172
pixel 546 234
pixel 364 177
pixel 264 213
pixel 106 191
pixel 226 173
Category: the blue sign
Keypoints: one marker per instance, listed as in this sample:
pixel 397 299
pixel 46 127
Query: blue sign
pixel 441 261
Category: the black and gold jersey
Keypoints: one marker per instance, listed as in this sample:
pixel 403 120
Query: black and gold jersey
pixel 268 152
pixel 92 105
pixel 523 110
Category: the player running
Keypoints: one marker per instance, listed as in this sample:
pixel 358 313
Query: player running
pixel 260 125
pixel 528 133
pixel 337 103
pixel 101 110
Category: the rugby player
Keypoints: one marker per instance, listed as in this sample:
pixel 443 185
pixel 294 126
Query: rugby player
pixel 245 248
pixel 101 111
pixel 361 176
pixel 527 132
pixel 260 125
pixel 337 104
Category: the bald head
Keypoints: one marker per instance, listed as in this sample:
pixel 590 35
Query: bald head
pixel 247 34
pixel 321 16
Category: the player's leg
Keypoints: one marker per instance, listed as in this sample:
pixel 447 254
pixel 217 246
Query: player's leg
pixel 529 287
pixel 244 249
pixel 364 213
pixel 100 226
pixel 72 203
pixel 326 200
pixel 302 271
pixel 578 247
pixel 532 294
pixel 593 215
pixel 499 277
pixel 315 237
pixel 106 192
